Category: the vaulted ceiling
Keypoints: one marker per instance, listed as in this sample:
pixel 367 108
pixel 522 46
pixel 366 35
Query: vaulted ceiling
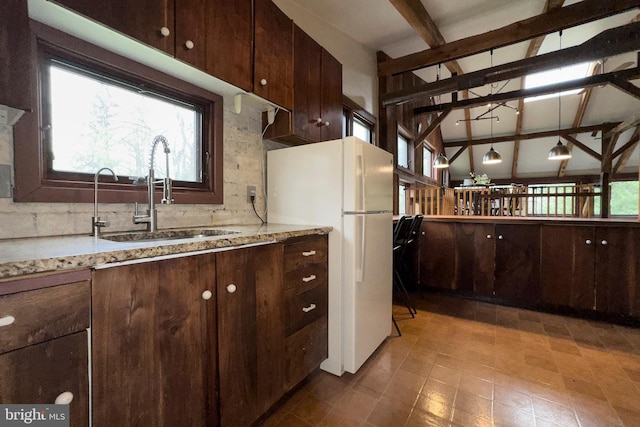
pixel 457 37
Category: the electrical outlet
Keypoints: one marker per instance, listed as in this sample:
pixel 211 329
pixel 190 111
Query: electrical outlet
pixel 251 193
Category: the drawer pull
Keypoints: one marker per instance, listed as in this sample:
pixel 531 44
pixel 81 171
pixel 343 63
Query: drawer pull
pixel 310 278
pixel 231 288
pixel 206 295
pixel 308 253
pixel 64 398
pixel 7 320
pixel 308 309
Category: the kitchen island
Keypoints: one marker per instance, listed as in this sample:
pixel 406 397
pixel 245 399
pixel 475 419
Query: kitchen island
pixel 584 266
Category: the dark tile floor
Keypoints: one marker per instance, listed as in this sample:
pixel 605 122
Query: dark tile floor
pixel 467 363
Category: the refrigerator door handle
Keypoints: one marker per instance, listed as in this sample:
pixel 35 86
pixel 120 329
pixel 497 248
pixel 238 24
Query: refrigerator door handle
pixel 362 180
pixel 362 249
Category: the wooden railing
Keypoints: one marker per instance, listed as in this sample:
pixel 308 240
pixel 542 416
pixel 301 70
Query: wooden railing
pixel 575 201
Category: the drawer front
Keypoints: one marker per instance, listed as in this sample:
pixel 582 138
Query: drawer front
pixel 302 309
pixel 39 315
pixel 303 254
pixel 305 350
pixel 304 279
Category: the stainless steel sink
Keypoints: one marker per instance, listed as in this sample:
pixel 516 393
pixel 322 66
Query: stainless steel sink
pixel 178 234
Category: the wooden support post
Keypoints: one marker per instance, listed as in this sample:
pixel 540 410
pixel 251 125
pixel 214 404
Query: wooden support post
pixel 605 196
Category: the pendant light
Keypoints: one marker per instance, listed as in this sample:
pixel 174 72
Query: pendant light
pixel 441 162
pixel 559 151
pixel 492 156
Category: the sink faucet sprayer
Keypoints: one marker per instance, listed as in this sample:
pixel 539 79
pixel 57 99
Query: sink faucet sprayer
pixel 151 217
pixel 96 222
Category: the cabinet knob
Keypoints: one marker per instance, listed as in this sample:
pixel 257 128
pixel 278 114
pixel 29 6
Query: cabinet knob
pixel 206 295
pixel 309 278
pixel 327 124
pixel 588 241
pixel 263 82
pixel 500 237
pixel 488 236
pixel 308 253
pixel 423 233
pixel 7 320
pixel 308 309
pixel 319 120
pixel 231 288
pixel 604 243
pixel 165 32
pixel 64 398
pixel 188 44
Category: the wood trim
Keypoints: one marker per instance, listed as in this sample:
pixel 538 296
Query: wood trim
pixel 35 184
pixel 545 23
pixel 42 280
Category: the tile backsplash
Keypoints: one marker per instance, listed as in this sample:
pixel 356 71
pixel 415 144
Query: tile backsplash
pixel 243 165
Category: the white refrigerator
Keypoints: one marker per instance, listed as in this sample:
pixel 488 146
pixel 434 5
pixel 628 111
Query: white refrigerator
pixel 346 184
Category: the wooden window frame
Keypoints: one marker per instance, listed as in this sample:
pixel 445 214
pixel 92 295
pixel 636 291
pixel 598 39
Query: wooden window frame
pixel 405 133
pixel 352 111
pixel 35 183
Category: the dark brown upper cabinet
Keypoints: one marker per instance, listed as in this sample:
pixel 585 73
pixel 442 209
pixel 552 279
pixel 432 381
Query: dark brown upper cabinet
pixel 15 51
pixel 317 115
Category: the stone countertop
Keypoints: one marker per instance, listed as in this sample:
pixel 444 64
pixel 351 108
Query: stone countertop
pixel 38 255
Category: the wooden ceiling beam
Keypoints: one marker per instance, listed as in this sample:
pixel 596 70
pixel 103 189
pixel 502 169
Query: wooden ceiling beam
pixel 458 153
pixel 629 145
pixel 627 87
pixel 432 127
pixel 585 82
pixel 540 25
pixel 583 147
pixel 532 50
pixel 610 42
pixel 604 127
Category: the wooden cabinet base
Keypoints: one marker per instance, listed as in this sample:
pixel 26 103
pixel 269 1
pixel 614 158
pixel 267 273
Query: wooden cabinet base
pixel 305 350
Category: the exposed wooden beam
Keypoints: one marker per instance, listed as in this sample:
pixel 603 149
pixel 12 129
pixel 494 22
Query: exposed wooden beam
pixel 467 123
pixel 622 127
pixel 608 144
pixel 625 151
pixel 457 154
pixel 583 147
pixel 414 12
pixel 534 135
pixel 627 87
pixel 585 82
pixel 532 50
pixel 611 42
pixel 432 127
pixel 580 112
pixel 546 23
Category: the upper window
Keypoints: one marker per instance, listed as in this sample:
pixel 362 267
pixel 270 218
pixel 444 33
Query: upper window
pixel 557 75
pixel 97 109
pixel 427 161
pixel 357 122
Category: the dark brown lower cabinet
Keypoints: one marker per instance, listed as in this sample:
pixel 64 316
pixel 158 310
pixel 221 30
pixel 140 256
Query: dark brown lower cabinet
pixel 151 332
pixel 250 332
pixel 38 374
pixel 567 266
pixel 475 258
pixel 437 254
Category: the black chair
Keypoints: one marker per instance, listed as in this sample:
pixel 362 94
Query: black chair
pixel 405 232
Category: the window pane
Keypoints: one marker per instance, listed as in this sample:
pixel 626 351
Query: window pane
pixel 402 200
pixel 403 152
pixel 427 161
pixel 624 198
pixel 96 122
pixel 361 130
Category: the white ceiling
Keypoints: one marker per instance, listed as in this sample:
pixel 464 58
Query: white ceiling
pixel 377 25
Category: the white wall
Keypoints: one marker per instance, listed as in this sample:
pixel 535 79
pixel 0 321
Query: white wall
pixel 243 165
pixel 359 66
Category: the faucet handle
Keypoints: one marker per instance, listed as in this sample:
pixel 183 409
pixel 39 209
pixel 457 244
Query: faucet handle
pixel 138 180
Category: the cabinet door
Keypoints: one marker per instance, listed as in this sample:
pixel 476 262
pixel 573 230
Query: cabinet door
pixel 40 373
pixel 190 31
pixel 617 272
pixel 229 53
pixel 307 117
pixel 250 332
pixel 331 97
pixel 273 54
pixel 15 51
pixel 517 267
pixel 149 343
pixel 437 255
pixel 475 258
pixel 142 19
pixel 567 266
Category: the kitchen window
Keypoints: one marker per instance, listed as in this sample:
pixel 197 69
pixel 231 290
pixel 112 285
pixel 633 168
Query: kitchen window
pixel 97 109
pixel 357 122
pixel 427 161
pixel 404 150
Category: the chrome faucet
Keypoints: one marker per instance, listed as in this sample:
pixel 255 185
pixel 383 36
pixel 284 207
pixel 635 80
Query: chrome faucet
pixel 96 222
pixel 151 217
